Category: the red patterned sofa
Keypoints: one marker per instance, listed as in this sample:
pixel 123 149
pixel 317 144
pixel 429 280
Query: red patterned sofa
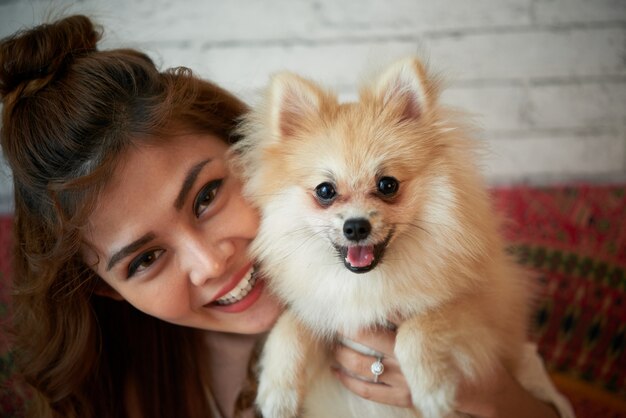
pixel 574 241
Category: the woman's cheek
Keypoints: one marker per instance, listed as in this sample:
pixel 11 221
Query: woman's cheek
pixel 162 300
pixel 249 217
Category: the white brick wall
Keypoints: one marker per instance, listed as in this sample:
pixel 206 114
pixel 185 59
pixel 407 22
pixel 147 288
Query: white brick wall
pixel 545 79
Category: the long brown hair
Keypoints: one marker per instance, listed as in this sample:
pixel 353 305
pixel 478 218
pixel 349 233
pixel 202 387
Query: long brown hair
pixel 69 112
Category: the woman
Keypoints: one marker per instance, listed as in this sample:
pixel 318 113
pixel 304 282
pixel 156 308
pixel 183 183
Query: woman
pixel 134 294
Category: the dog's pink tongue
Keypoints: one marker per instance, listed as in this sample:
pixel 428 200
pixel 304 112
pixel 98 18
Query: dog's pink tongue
pixel 360 256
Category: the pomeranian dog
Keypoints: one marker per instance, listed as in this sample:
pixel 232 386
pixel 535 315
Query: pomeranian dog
pixel 372 210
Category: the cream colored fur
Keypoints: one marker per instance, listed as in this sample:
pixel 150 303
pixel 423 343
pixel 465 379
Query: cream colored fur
pixel 444 271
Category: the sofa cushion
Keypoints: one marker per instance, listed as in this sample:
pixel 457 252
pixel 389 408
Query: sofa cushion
pixel 574 241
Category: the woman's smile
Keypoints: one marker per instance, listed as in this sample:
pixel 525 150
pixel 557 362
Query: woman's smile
pixel 236 288
pixel 242 295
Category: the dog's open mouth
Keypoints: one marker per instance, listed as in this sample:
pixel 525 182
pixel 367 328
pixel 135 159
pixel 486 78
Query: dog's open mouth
pixel 363 258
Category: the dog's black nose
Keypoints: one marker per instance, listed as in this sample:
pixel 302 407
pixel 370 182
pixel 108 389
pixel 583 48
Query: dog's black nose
pixel 357 229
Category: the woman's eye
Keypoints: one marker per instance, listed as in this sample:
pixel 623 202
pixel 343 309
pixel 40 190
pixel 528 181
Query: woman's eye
pixel 143 261
pixel 206 196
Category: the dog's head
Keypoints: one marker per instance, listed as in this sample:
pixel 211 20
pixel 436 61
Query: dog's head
pixel 356 176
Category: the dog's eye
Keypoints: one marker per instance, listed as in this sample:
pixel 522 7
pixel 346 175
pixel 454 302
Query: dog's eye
pixel 388 186
pixel 325 192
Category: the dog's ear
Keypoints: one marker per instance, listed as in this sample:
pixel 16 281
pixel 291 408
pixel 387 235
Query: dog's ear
pixel 294 101
pixel 403 89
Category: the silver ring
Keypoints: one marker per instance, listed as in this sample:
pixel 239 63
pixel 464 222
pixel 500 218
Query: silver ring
pixel 377 368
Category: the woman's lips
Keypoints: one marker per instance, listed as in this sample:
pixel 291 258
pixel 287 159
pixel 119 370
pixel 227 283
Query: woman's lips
pixel 236 287
pixel 243 304
pixel 240 291
pixel 234 281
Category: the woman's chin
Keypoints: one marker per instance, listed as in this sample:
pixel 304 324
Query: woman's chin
pixel 263 316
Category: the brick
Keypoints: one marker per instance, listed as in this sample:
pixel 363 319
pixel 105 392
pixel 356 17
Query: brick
pixel 591 105
pixel 414 17
pixel 491 107
pixel 555 157
pixel 578 11
pixel 334 65
pixel 230 22
pixel 580 52
pixel 6 198
pixel 6 187
pixel 588 105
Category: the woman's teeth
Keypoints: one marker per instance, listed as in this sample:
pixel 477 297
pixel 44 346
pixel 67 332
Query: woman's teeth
pixel 240 291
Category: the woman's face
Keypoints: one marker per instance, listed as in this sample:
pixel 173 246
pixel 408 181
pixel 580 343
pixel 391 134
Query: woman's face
pixel 171 233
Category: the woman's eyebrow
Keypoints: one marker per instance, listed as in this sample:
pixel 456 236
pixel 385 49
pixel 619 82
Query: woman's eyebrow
pixel 190 179
pixel 129 249
pixel 188 183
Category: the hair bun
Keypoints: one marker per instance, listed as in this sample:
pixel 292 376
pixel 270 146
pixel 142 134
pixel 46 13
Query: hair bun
pixel 30 59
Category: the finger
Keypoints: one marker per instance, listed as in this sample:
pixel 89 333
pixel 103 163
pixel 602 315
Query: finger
pixel 381 340
pixel 377 392
pixel 360 366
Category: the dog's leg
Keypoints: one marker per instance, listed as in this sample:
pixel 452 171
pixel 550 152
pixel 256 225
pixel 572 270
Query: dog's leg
pixel 426 362
pixel 288 351
pixel 428 370
pixel 435 352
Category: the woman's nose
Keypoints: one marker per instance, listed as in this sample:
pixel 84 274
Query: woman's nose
pixel 205 260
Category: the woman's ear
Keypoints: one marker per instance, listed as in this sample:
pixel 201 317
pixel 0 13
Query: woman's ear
pixel 105 290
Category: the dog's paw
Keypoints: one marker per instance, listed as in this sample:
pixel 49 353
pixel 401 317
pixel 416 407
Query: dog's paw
pixel 274 402
pixel 436 404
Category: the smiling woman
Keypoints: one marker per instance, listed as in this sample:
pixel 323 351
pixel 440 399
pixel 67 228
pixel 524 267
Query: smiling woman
pixel 129 224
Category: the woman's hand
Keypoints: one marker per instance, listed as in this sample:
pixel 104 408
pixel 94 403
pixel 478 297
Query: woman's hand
pixel 354 368
pixel 497 395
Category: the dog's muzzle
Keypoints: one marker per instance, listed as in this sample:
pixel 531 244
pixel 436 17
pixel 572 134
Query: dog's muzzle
pixel 360 256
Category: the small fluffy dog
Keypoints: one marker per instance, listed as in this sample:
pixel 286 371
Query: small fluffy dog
pixel 372 210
